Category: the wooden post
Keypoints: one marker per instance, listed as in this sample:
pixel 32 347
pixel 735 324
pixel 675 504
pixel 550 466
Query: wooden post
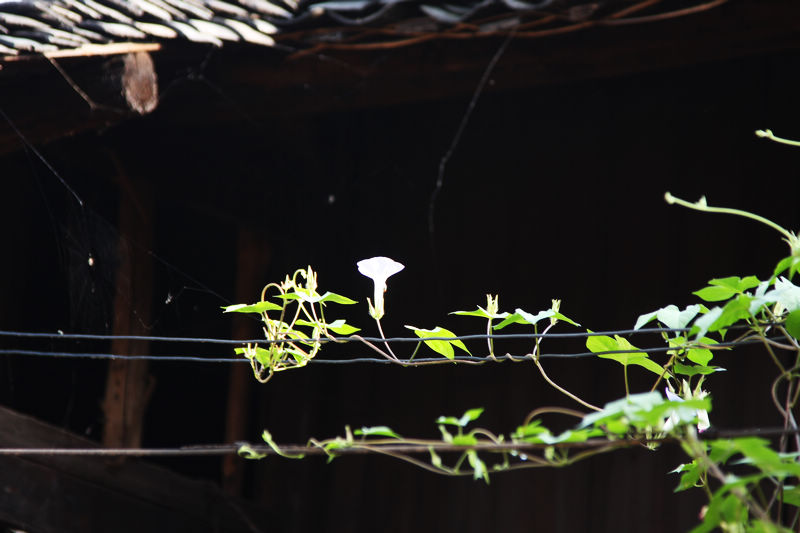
pixel 252 262
pixel 129 386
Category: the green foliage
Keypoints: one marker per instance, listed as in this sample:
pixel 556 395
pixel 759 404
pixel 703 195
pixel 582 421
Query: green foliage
pixel 298 305
pixel 443 347
pixel 617 349
pixel 751 485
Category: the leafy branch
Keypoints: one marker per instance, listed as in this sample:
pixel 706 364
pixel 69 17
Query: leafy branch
pixel 751 484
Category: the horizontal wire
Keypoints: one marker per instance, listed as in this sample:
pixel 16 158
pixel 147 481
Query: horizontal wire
pixel 351 338
pixel 363 447
pixel 354 360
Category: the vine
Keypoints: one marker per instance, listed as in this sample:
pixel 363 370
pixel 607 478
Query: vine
pixel 751 483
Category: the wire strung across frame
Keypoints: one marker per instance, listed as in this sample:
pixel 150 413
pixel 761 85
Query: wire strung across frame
pixel 361 447
pixel 349 360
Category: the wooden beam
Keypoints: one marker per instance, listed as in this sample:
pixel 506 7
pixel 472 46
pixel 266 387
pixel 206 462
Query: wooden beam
pixel 88 50
pixel 266 83
pixel 252 263
pixel 65 494
pixel 129 386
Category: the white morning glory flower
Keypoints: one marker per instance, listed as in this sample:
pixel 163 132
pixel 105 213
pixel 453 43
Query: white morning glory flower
pixel 702 415
pixel 378 269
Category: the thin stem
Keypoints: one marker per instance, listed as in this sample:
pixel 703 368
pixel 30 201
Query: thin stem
pixel 415 352
pixel 563 390
pixel 767 134
pixel 698 451
pixel 625 373
pixel 385 342
pixel 559 410
pixel 489 339
pixel 661 377
pixel 384 354
pixel 702 206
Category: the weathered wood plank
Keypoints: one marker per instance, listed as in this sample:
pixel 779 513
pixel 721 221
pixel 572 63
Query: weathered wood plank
pixel 129 385
pixel 252 262
pixel 62 494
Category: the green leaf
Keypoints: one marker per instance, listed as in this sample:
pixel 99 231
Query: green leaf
pixel 623 407
pixel 570 435
pixel 377 431
pixel 465 440
pixel 643 410
pixel 792 323
pixel 645 319
pixel 560 316
pixel 701 356
pixel 480 312
pixel 531 430
pixel 335 298
pixel 670 316
pixel 436 461
pixel 470 416
pixel 702 324
pixel 736 283
pixel 792 263
pixel 258 307
pixel 442 347
pixel 689 370
pixel 478 466
pixel 714 294
pixel 791 495
pixel 450 420
pixel 523 317
pixel 342 328
pixel 690 475
pixel 724 288
pixel 602 343
pixel 720 318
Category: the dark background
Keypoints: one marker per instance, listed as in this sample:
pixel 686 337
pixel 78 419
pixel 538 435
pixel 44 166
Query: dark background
pixel 554 191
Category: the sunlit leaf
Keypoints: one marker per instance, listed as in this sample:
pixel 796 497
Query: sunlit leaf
pixel 335 298
pixel 435 459
pixel 469 416
pixel 701 356
pixel 465 440
pixel 478 466
pixel 480 312
pixel 645 319
pixel 714 294
pixel 792 323
pixel 690 475
pixel 792 263
pixel 735 283
pixel 377 431
pixel 522 317
pixel 442 347
pixel 670 316
pixel 342 328
pixel 692 370
pixel 258 307
pixel 532 429
pixel 701 325
pixel 602 343
pixel 791 495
